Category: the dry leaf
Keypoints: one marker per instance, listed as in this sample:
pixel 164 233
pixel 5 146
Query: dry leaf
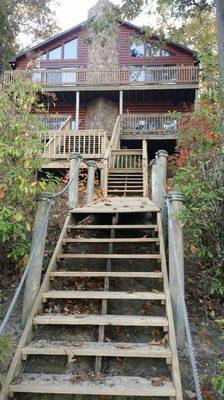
pixel 190 394
pixel 122 346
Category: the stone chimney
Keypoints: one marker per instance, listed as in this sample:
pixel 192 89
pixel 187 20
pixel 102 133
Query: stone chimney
pixel 99 9
pixel 106 56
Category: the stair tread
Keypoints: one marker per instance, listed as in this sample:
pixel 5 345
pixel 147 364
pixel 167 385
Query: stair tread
pixel 101 294
pixel 110 385
pixel 112 227
pixel 108 256
pixel 90 274
pixel 95 319
pixel 109 240
pixel 114 349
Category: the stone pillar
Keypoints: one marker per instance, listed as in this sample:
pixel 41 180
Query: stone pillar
pixel 77 107
pixel 176 263
pixel 90 181
pixel 121 102
pixel 73 193
pixel 33 280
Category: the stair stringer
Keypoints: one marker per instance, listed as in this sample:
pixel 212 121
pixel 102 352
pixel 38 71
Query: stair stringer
pixel 169 313
pixel 17 362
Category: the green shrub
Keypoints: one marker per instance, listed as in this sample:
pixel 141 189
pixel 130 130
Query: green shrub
pixel 21 151
pixel 201 178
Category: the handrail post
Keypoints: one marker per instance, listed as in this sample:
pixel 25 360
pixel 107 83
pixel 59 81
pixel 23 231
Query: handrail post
pixel 161 156
pixel 73 193
pixel 90 181
pixel 176 261
pixel 153 164
pixel 33 280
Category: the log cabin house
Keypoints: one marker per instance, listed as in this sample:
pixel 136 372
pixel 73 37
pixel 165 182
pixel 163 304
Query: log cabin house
pixel 121 93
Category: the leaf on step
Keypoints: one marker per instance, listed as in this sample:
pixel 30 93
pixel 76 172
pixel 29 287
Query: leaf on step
pixel 155 342
pixel 159 381
pixel 77 378
pixel 165 339
pixel 154 332
pixel 190 394
pixel 39 311
pixel 70 355
pixel 122 346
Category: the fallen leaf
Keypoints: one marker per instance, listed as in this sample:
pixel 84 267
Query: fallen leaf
pixel 190 394
pixel 122 346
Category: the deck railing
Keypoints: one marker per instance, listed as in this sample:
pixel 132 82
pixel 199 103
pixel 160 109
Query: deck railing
pixel 103 77
pixel 126 159
pixel 55 121
pixel 89 143
pixel 137 124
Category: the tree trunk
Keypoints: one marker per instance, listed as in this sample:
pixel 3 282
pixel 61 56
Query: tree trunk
pixel 220 42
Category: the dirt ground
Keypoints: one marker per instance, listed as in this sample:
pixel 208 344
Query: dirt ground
pixel 203 311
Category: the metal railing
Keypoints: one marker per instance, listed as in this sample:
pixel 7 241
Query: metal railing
pixel 137 124
pixel 132 75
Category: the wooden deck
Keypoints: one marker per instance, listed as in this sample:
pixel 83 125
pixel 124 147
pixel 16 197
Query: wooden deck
pixel 126 78
pixel 118 205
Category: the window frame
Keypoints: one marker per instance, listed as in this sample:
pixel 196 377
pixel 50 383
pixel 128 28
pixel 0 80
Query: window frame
pixel 147 45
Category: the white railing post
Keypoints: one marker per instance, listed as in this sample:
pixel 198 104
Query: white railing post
pixel 153 164
pixel 73 194
pixel 33 280
pixel 90 181
pixel 176 263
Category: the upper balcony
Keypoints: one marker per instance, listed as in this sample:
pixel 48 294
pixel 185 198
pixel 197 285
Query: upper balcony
pixel 126 78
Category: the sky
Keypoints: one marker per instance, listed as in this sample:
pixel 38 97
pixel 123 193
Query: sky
pixel 71 12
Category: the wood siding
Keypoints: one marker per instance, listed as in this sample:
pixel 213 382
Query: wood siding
pixel 70 110
pixel 179 56
pixel 156 108
pixel 82 54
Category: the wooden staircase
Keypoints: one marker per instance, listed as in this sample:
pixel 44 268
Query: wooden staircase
pixel 102 323
pixel 127 183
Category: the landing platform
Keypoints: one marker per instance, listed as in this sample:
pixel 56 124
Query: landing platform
pixel 118 205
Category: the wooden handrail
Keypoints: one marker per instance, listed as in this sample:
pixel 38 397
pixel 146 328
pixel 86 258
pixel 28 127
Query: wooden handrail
pixel 121 76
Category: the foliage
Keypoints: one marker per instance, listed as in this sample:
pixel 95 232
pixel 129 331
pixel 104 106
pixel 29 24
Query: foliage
pixel 201 178
pixel 218 379
pixel 6 349
pixel 21 157
pixel 33 17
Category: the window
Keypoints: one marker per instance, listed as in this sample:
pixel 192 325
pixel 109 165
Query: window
pixel 43 57
pixel 55 54
pixel 70 49
pixel 69 76
pixel 165 53
pixel 38 75
pixel 152 50
pixel 137 50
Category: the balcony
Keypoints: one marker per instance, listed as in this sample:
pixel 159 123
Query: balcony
pixel 123 78
pixel 149 126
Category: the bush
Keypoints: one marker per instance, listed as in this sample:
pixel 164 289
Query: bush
pixel 21 158
pixel 201 178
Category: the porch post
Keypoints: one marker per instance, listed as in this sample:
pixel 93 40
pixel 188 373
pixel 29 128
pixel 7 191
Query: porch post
pixel 196 99
pixel 121 102
pixel 176 261
pixel 90 181
pixel 33 280
pixel 77 110
pixel 73 190
pixel 161 156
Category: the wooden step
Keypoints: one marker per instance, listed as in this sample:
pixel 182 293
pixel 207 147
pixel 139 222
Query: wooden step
pixel 108 256
pixel 98 227
pixel 91 274
pixel 124 187
pixel 109 240
pixel 106 349
pixel 127 191
pixel 101 294
pixel 85 319
pixel 107 386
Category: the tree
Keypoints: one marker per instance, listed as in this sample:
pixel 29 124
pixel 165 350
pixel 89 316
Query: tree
pixel 21 151
pixel 33 17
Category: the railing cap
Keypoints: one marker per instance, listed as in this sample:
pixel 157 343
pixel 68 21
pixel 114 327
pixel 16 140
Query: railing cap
pixel 75 156
pixel 46 196
pixel 175 195
pixel 162 153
